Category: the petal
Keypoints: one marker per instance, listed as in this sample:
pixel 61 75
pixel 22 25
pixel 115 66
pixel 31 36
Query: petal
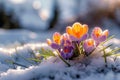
pixel 72 38
pixel 106 33
pixel 85 29
pixel 85 36
pixel 69 30
pixel 69 55
pixel 94 37
pixel 89 45
pixel 63 54
pixel 67 52
pixel 76 26
pixel 77 30
pixel 68 43
pixel 102 38
pixel 56 37
pixel 90 42
pixel 87 48
pixel 48 41
pixel 65 36
pixel 62 42
pixel 97 31
pixel 55 46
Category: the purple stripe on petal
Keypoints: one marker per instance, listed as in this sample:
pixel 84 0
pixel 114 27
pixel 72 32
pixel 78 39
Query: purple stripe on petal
pixel 63 54
pixel 55 46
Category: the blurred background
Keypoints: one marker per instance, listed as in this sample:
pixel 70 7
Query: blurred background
pixel 35 20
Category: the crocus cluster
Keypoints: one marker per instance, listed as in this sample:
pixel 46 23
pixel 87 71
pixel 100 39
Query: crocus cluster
pixel 77 41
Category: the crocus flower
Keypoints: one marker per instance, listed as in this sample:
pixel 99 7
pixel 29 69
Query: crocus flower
pixel 66 52
pixel 98 35
pixel 55 44
pixel 89 45
pixel 77 32
pixel 65 40
pixel 63 44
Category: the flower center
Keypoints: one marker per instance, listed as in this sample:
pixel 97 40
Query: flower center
pixel 66 50
pixel 90 42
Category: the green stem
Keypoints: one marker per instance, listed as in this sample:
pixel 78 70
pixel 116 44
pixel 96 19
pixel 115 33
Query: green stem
pixel 77 46
pixel 63 59
pixel 105 58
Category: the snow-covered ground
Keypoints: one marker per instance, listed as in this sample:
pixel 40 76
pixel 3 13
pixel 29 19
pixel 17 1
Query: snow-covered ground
pixel 53 68
pixel 19 45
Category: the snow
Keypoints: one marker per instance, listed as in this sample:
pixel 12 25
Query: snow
pixel 19 37
pixel 53 67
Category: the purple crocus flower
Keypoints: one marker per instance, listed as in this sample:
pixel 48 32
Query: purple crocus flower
pixel 89 46
pixel 63 44
pixel 98 35
pixel 55 44
pixel 66 52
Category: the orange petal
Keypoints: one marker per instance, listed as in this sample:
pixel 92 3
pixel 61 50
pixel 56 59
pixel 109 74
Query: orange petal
pixel 76 27
pixel 69 30
pixel 97 31
pixel 48 41
pixel 56 37
pixel 77 30
pixel 106 32
pixel 85 29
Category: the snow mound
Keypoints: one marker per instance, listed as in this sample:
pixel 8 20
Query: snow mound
pixel 53 68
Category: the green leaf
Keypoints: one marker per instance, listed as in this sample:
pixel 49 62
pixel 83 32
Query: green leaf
pixel 118 54
pixel 113 52
pixel 105 47
pixel 34 59
pixel 105 57
pixel 46 53
pixel 107 54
